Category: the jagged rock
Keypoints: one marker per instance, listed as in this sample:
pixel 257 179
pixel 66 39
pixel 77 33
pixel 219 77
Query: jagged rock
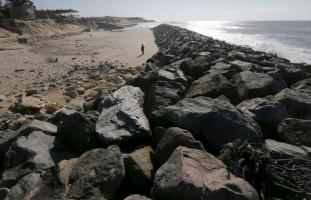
pixel 195 174
pixel 26 188
pixel 304 84
pixel 291 74
pixel 297 102
pixel 36 151
pixel 139 168
pixel 97 174
pixel 78 131
pixel 266 113
pixel 173 138
pixel 196 67
pixel 246 66
pixel 136 197
pixel 252 85
pixel 279 150
pixel 295 131
pixel 217 121
pixel 28 105
pixel 7 138
pixel 76 105
pixel 36 125
pixel 123 119
pixel 213 86
pixel 162 87
pixel 224 69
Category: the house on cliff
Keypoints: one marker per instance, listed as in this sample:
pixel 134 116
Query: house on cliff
pixel 20 9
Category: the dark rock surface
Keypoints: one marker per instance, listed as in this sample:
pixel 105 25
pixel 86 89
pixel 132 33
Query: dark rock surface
pixel 252 85
pixel 78 131
pixel 195 174
pixel 214 86
pixel 123 118
pixel 173 138
pixel 97 174
pixel 203 116
pixel 136 197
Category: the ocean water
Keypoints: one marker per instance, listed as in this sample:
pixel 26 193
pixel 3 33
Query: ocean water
pixel 289 39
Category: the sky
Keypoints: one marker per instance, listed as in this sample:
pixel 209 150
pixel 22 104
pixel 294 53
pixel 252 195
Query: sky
pixel 178 10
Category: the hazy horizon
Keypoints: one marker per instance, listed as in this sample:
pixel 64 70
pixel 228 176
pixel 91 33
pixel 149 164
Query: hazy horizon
pixel 177 10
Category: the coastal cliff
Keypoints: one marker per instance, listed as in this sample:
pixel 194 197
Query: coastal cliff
pixel 205 120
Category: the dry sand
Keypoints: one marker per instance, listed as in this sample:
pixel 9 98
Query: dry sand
pixel 24 66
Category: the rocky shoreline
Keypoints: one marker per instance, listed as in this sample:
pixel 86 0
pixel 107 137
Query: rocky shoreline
pixel 205 120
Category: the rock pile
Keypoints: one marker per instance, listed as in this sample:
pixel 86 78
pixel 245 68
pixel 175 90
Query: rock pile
pixel 205 120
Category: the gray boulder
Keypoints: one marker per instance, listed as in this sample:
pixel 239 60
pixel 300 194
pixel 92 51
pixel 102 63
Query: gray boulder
pixel 246 66
pixel 78 131
pixel 26 188
pixel 7 138
pixel 197 67
pixel 136 197
pixel 295 132
pixel 97 174
pixel 195 174
pixel 217 121
pixel 36 125
pixel 139 168
pixel 36 151
pixel 123 118
pixel 290 73
pixel 162 87
pixel 297 102
pixel 251 85
pixel 213 86
pixel 266 113
pixel 224 69
pixel 173 138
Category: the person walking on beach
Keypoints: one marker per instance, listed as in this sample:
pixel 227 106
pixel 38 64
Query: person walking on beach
pixel 142 49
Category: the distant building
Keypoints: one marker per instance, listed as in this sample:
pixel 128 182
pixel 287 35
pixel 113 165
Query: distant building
pixel 21 9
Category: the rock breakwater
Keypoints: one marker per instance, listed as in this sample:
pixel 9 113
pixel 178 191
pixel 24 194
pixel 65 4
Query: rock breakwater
pixel 205 120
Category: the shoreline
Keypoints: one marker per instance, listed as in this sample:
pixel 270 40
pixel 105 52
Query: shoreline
pixel 202 119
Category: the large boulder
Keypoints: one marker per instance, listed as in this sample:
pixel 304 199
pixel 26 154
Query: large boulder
pixel 26 188
pixel 97 174
pixel 290 73
pixel 37 151
pixel 7 138
pixel 123 118
pixel 139 168
pixel 266 113
pixel 78 131
pixel 295 131
pixel 197 67
pixel 224 69
pixel 195 174
pixel 173 138
pixel 246 66
pixel 28 105
pixel 213 86
pixel 297 102
pixel 219 122
pixel 251 85
pixel 287 171
pixel 36 125
pixel 162 87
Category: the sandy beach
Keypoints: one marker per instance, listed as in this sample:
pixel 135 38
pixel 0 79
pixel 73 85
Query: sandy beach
pixel 25 66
